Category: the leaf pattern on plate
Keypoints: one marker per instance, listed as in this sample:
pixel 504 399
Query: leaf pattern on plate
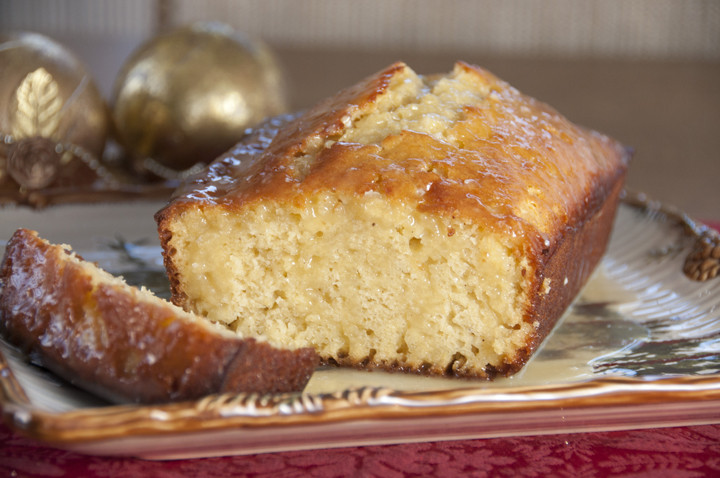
pixel 681 316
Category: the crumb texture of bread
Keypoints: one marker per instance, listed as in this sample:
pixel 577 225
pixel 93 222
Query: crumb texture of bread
pixel 123 343
pixel 437 224
pixel 329 286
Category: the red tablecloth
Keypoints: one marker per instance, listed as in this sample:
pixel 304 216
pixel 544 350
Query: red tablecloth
pixel 669 452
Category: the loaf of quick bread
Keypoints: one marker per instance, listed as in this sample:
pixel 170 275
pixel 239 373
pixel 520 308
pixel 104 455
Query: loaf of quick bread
pixel 123 343
pixel 435 224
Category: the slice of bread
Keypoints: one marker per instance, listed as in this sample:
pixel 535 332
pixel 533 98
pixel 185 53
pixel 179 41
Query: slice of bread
pixel 124 343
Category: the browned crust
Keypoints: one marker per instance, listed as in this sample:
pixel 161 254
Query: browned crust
pixel 568 269
pixel 520 142
pixel 178 295
pixel 103 339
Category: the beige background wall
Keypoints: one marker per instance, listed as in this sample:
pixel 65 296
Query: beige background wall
pixel 644 71
pixel 657 29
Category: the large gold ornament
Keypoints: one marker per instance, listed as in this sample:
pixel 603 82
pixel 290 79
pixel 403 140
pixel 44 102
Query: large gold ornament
pixel 53 120
pixel 188 95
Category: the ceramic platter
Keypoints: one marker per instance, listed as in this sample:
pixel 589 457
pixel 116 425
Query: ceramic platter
pixel 639 348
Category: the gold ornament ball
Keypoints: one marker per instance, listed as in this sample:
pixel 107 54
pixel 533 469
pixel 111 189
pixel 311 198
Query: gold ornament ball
pixel 188 95
pixel 47 97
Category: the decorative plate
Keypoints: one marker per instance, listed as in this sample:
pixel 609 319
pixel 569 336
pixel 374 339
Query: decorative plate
pixel 639 348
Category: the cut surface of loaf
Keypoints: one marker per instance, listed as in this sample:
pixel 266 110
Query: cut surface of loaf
pixel 437 224
pixel 123 343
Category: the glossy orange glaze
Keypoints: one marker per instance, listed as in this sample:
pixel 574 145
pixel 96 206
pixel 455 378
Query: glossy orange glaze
pixel 508 145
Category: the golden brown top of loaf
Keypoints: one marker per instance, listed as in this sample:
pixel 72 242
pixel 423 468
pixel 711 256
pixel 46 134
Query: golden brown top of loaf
pixel 465 144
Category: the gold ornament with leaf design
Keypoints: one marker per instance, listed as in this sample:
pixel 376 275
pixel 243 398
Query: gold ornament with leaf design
pixel 52 116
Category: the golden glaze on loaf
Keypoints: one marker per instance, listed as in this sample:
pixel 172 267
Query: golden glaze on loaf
pixel 125 344
pixel 436 224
